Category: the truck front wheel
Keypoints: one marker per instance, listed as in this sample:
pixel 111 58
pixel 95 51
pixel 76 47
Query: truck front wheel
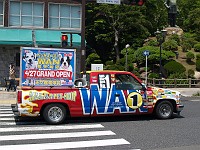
pixel 164 110
pixel 54 113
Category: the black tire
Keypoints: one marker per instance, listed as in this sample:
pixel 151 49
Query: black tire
pixel 164 110
pixel 54 113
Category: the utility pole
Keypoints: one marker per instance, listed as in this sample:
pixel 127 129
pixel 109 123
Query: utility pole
pixel 83 49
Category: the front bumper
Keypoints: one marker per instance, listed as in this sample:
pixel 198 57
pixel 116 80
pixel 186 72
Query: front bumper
pixel 179 107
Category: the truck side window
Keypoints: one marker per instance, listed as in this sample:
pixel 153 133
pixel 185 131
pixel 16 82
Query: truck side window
pixel 127 82
pixel 104 81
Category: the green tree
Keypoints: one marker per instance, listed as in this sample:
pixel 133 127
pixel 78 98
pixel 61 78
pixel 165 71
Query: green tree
pixel 156 13
pixel 110 27
pixel 197 56
pixel 154 57
pixel 93 58
pixel 174 67
pixel 190 73
pixel 187 41
pixel 192 21
pixel 190 56
pixel 186 46
pixel 113 24
pixel 197 47
pixel 185 7
pixel 175 37
pixel 198 65
pixel 170 45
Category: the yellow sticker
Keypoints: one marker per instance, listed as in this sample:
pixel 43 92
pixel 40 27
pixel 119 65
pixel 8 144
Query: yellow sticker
pixel 134 100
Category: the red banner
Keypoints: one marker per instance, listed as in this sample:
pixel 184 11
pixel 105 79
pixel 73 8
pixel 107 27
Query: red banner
pixel 47 74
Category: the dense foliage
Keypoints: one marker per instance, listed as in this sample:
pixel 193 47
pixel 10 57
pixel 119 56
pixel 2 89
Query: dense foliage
pixel 197 56
pixel 173 67
pixel 109 28
pixel 190 56
pixel 170 45
pixel 190 73
pixel 197 47
pixel 198 65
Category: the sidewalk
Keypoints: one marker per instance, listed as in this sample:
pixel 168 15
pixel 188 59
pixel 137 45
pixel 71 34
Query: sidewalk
pixel 7 98
pixel 187 92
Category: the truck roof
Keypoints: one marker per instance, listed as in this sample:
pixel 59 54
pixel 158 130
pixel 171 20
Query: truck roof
pixel 112 71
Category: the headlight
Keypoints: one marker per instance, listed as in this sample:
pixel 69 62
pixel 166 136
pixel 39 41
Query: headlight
pixel 180 96
pixel 178 101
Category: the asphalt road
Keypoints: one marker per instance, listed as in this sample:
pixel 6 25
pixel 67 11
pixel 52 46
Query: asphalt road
pixel 148 133
pixel 130 132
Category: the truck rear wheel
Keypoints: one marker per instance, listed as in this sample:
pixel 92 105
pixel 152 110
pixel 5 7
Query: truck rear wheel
pixel 54 113
pixel 164 110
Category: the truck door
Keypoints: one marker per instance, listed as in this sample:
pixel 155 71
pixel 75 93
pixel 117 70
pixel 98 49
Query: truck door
pixel 100 88
pixel 134 92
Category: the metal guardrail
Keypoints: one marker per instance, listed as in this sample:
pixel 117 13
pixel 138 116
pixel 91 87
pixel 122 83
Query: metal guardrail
pixel 174 83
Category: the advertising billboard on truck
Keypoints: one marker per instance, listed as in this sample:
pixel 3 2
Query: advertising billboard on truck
pixel 45 67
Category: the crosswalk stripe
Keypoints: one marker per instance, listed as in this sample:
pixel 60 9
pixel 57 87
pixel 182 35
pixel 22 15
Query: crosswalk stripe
pixel 21 123
pixel 7 119
pixel 59 127
pixel 6 112
pixel 6 115
pixel 5 109
pixel 7 123
pixel 55 135
pixel 66 145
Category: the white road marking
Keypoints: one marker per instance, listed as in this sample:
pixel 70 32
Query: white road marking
pixel 196 100
pixel 66 145
pixel 7 119
pixel 45 128
pixel 6 115
pixel 6 112
pixel 22 123
pixel 5 109
pixel 55 135
pixel 7 123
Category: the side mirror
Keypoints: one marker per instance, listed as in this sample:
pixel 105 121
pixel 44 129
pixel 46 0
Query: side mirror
pixel 80 82
pixel 144 87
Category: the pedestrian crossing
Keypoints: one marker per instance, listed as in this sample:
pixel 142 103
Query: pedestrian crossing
pixel 39 136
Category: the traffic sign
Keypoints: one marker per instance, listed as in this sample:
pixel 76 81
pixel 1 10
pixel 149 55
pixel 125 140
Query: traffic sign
pixel 109 1
pixel 146 53
pixel 96 67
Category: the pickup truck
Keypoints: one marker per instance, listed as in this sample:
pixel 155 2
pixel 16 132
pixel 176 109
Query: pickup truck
pixel 98 93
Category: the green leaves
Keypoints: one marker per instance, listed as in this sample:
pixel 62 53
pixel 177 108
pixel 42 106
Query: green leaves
pixel 110 27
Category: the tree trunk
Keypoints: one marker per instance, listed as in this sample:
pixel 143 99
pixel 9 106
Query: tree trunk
pixel 116 44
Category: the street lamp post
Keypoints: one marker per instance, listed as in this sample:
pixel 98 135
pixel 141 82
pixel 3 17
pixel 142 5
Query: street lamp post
pixel 127 46
pixel 160 35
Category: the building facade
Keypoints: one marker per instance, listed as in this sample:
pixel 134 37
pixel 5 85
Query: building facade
pixel 37 23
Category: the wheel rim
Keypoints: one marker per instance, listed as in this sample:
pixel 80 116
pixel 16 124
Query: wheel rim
pixel 165 110
pixel 55 114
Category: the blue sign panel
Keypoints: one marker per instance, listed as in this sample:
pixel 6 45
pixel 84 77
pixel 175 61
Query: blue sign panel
pixel 146 53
